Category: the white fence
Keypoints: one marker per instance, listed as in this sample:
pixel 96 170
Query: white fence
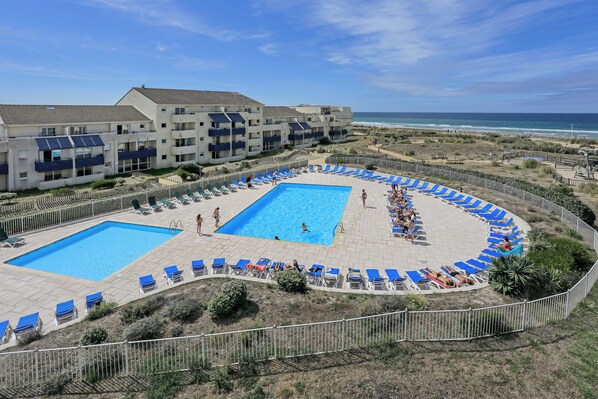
pixel 69 213
pixel 23 372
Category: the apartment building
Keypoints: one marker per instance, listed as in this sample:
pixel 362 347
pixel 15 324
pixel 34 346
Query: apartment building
pixel 51 146
pixel 48 147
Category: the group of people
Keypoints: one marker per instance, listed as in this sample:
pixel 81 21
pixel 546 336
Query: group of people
pixel 215 215
pixel 402 216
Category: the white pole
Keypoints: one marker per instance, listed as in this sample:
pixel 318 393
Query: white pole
pixel 572 131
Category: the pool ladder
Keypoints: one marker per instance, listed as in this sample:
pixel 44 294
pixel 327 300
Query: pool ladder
pixel 341 225
pixel 174 225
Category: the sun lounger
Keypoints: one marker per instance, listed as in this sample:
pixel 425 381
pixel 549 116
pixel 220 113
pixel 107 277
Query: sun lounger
pixel 8 241
pixel 172 274
pixel 445 196
pixel 224 189
pixel 28 325
pixel 314 274
pixel 168 204
pixel 472 272
pixel 93 300
pixel 465 201
pixel 485 258
pixel 442 191
pixel 478 264
pixel 453 199
pixel 422 187
pixel 233 187
pixel 207 193
pixel 333 170
pixel 374 279
pixel 389 180
pixel 179 198
pixel 473 205
pixel 310 168
pixel 341 170
pixel 140 209
pixel 427 272
pixel 198 268
pixel 450 273
pixel 219 266
pixel 5 332
pixel 368 175
pixel 353 172
pixel 354 279
pixel 238 184
pixel 431 190
pixel 326 169
pixel 152 203
pixel 406 182
pixel 147 283
pixel 395 280
pixel 485 209
pixel 331 277
pixel 495 216
pixel 215 191
pixel 418 282
pixel 258 269
pixel 65 311
pixel 239 268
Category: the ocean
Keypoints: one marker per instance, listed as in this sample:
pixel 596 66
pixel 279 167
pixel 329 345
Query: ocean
pixel 577 125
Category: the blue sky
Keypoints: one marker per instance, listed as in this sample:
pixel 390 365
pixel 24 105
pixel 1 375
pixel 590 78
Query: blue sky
pixel 374 55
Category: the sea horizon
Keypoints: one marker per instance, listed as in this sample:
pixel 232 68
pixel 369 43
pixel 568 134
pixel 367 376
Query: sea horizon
pixel 544 124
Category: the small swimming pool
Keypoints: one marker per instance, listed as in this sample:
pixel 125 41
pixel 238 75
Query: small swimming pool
pixel 95 253
pixel 282 211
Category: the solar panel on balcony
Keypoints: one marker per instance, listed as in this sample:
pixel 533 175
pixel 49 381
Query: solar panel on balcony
pixel 88 141
pixel 235 117
pixel 219 118
pixel 296 126
pixel 53 143
pixel 305 125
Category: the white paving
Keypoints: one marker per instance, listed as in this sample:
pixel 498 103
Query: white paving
pixel 450 236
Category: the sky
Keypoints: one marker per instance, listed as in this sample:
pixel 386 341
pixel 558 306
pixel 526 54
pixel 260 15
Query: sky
pixel 373 55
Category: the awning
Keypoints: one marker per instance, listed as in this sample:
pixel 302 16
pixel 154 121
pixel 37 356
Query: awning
pixel 88 141
pixel 219 118
pixel 53 143
pixel 236 117
pixel 295 126
pixel 305 125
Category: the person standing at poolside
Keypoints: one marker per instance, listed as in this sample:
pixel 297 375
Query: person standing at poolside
pixel 364 196
pixel 199 221
pixel 216 216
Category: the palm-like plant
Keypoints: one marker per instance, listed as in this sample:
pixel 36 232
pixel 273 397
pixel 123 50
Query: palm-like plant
pixel 513 275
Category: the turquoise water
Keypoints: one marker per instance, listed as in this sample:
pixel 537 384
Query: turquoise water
pixel 281 212
pixel 95 253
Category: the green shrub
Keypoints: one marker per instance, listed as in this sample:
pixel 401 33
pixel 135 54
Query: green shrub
pixel 225 170
pixel 60 192
pixel 103 184
pixel 147 328
pixel 144 308
pixel 369 166
pixel 572 233
pixel 352 151
pixel 228 299
pixel 547 170
pixel 221 382
pixel 101 310
pixel 324 141
pixel 410 153
pixel 513 275
pixel 185 310
pixel 192 168
pixel 320 149
pixel 516 167
pixel 582 258
pixel 562 189
pixel 415 302
pixel 530 163
pixel 495 163
pixel 291 281
pixel 370 307
pixel 589 188
pixel 55 385
pixel 177 330
pixel 299 387
pixel 199 368
pixel 7 196
pixel 94 336
pixel 164 385
pixel 537 234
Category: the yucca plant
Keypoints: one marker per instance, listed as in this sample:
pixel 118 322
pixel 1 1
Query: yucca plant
pixel 513 275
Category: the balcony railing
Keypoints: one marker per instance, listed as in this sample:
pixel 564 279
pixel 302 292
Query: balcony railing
pixel 224 131
pixel 272 139
pixel 50 166
pixel 239 131
pixel 226 146
pixel 89 161
pixel 3 168
pixel 333 133
pixel 148 152
pixel 318 134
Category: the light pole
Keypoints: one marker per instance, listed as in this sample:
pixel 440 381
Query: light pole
pixel 572 131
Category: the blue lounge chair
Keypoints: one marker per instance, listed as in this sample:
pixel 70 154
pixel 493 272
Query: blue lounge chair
pixel 466 201
pixel 368 175
pixel 406 182
pixel 394 278
pixel 478 265
pixel 238 184
pixel 28 325
pixel 474 205
pixel 239 268
pixel 326 169
pixel 411 186
pixel 331 277
pixel 314 274
pixel 353 172
pixel 512 233
pixel 389 180
pixel 431 190
pixel 147 283
pixel 334 169
pixel 396 181
pixel 422 187
pixel 442 191
pixel 495 212
pixel 500 215
pixel 418 282
pixel 7 241
pixel 445 196
pixel 341 170
pixel 360 174
pixel 219 266
pixel 517 250
pixel 501 224
pixel 172 274
pixel 485 259
pixel 471 271
pixel 140 209
pixel 263 264
pixel 374 279
pixel 495 242
pixel 311 168
pixel 93 300
pixel 5 332
pixel 496 238
pixel 491 252
pixel 355 279
pixel 454 199
pixel 198 268
pixel 485 209
pixel 65 311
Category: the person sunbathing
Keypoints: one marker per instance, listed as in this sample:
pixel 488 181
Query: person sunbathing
pixel 505 246
pixel 462 279
pixel 444 280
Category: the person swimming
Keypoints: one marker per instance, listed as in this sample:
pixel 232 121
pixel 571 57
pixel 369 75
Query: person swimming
pixel 304 227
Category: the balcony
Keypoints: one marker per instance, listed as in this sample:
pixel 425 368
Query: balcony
pixel 51 166
pixel 185 149
pixel 182 118
pixel 3 168
pixel 318 134
pixel 89 161
pixel 148 152
pixel 295 137
pixel 225 131
pixel 239 131
pixel 183 134
pixel 272 139
pixel 334 133
pixel 226 146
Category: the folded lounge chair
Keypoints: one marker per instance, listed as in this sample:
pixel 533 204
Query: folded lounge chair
pixel 219 266
pixel 93 300
pixel 192 196
pixel 207 193
pixel 140 209
pixel 198 268
pixel 395 280
pixel 179 198
pixel 172 274
pixel 6 241
pixel 5 332
pixel 65 311
pixel 331 277
pixel 152 203
pixel 239 268
pixel 147 283
pixel 418 282
pixel 224 190
pixel 28 325
pixel 374 279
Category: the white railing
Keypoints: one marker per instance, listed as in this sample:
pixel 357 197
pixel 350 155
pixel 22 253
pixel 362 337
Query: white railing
pixel 24 371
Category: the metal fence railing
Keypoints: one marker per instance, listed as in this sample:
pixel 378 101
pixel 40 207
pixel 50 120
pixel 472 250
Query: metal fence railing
pixel 25 371
pixel 71 212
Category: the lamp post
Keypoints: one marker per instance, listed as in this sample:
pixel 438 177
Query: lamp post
pixel 572 131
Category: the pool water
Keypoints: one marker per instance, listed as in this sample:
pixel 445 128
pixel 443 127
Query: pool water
pixel 282 211
pixel 95 253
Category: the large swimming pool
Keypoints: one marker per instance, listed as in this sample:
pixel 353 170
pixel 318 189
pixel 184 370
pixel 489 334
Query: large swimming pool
pixel 97 252
pixel 282 211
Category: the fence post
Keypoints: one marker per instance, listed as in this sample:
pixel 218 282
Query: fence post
pixel 275 342
pixel 523 315
pixel 80 356
pixel 542 203
pixel 587 286
pixel 93 209
pixel 343 332
pixel 577 227
pixel 60 216
pixel 469 312
pixel 405 324
pixel 567 303
pixel 126 345
pixel 203 350
pixel 562 213
pixel 36 365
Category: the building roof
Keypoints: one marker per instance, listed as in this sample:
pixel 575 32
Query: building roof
pixel 278 112
pixel 66 114
pixel 176 96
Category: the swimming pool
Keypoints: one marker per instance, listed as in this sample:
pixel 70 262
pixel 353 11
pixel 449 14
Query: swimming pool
pixel 282 211
pixel 95 253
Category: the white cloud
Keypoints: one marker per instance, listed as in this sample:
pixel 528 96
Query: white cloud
pixel 268 48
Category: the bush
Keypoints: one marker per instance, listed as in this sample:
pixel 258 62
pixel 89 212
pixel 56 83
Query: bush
pixel 199 367
pixel 55 385
pixel 102 310
pixel 291 281
pixel 513 275
pixel 324 141
pixel 185 310
pixel 221 382
pixel 320 149
pixel 60 192
pixel 587 188
pixel 177 330
pixel 103 184
pixel 138 310
pixel 7 196
pixel 183 174
pixel 495 163
pixel 370 307
pixel 119 181
pixel 192 168
pixel 415 302
pixel 530 163
pixel 352 151
pixel 547 170
pixel 94 336
pixel 164 385
pixel 562 189
pixel 147 328
pixel 410 153
pixel 572 233
pixel 228 299
pixel 537 234
pixel 582 258
pixel 370 166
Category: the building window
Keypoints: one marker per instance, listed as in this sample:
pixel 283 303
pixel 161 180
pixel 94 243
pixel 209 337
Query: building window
pixel 200 123
pixel 47 131
pixel 163 156
pixel 84 171
pixel 201 155
pixel 23 155
pixel 141 126
pixel 163 109
pixel 163 141
pixel 108 164
pixel 179 111
pixel 53 176
pixel 23 175
pixel 201 139
pixel 164 125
